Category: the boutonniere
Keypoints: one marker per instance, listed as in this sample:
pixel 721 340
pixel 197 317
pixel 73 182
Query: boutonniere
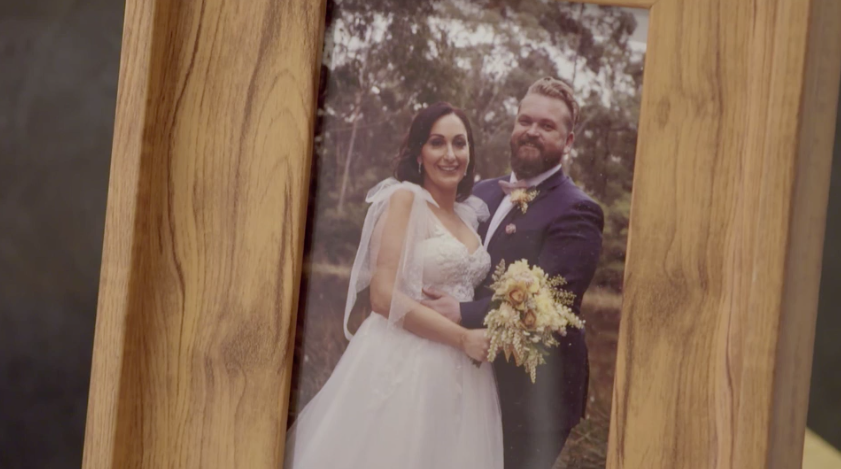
pixel 510 228
pixel 522 197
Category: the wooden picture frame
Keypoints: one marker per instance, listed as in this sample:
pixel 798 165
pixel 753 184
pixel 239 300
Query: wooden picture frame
pixel 207 206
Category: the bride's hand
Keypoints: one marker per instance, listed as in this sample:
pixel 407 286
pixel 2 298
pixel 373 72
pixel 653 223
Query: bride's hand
pixel 475 343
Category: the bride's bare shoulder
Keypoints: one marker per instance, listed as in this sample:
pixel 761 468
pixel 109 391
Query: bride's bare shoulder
pixel 402 198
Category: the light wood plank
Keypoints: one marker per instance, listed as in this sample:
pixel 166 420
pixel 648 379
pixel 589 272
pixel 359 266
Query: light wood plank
pixel 726 228
pixel 121 208
pixel 204 231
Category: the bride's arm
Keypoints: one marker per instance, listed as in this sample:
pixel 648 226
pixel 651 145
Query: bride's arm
pixel 418 319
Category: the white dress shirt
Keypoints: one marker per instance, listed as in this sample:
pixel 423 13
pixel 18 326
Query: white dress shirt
pixel 506 204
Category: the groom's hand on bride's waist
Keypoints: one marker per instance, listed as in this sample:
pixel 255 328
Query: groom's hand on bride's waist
pixel 445 304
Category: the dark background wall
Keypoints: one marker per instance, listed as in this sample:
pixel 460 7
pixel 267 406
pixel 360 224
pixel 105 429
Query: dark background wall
pixel 58 80
pixel 825 394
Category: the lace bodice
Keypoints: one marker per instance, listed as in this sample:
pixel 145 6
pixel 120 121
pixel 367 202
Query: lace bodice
pixel 449 266
pixel 430 256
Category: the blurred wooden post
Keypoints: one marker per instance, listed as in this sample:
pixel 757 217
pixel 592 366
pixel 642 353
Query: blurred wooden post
pixel 203 236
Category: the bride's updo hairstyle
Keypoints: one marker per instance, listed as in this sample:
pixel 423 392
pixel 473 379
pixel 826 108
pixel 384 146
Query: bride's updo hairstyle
pixel 410 149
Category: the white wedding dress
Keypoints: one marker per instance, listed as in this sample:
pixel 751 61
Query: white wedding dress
pixel 396 400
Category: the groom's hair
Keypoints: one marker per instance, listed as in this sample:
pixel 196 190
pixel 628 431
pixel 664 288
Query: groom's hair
pixel 415 139
pixel 558 89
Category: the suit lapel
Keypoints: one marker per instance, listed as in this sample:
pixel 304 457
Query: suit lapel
pixel 514 212
pixel 493 202
pixel 544 188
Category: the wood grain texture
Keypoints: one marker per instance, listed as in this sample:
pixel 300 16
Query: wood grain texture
pixel 203 239
pixel 726 234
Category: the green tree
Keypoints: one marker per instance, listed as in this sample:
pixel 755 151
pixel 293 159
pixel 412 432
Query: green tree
pixel 388 58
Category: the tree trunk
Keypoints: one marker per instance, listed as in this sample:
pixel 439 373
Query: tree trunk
pixel 349 156
pixel 577 48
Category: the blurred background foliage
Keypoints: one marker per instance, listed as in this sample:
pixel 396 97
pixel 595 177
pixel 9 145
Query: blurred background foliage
pixel 385 59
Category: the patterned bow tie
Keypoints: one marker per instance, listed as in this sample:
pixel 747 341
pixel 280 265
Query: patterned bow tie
pixel 509 187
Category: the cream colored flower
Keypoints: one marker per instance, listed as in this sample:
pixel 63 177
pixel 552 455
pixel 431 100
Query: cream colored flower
pixel 519 196
pixel 522 197
pixel 519 268
pixel 529 319
pixel 506 312
pixel 516 295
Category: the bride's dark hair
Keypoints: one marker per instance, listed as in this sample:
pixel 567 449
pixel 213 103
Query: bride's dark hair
pixel 410 149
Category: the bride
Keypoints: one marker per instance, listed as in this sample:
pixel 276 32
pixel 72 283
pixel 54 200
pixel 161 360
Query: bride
pixel 406 393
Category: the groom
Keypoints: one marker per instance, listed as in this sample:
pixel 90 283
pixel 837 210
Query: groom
pixel 561 232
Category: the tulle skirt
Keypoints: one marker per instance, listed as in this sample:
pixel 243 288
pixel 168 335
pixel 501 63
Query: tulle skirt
pixel 396 400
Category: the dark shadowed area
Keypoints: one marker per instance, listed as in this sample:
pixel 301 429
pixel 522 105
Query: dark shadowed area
pixel 58 82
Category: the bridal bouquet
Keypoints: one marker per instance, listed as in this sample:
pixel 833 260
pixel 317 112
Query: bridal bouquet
pixel 526 309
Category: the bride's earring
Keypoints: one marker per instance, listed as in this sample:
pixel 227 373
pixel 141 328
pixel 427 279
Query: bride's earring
pixel 420 167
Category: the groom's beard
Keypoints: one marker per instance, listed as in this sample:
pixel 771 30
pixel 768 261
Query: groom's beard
pixel 530 158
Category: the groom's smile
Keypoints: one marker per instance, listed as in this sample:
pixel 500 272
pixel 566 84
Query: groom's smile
pixel 529 149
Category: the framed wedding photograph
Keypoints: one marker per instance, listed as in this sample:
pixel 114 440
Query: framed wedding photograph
pixel 464 234
pixel 541 93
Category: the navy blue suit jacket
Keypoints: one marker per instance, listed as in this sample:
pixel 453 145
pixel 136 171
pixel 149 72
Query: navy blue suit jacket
pixel 562 233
